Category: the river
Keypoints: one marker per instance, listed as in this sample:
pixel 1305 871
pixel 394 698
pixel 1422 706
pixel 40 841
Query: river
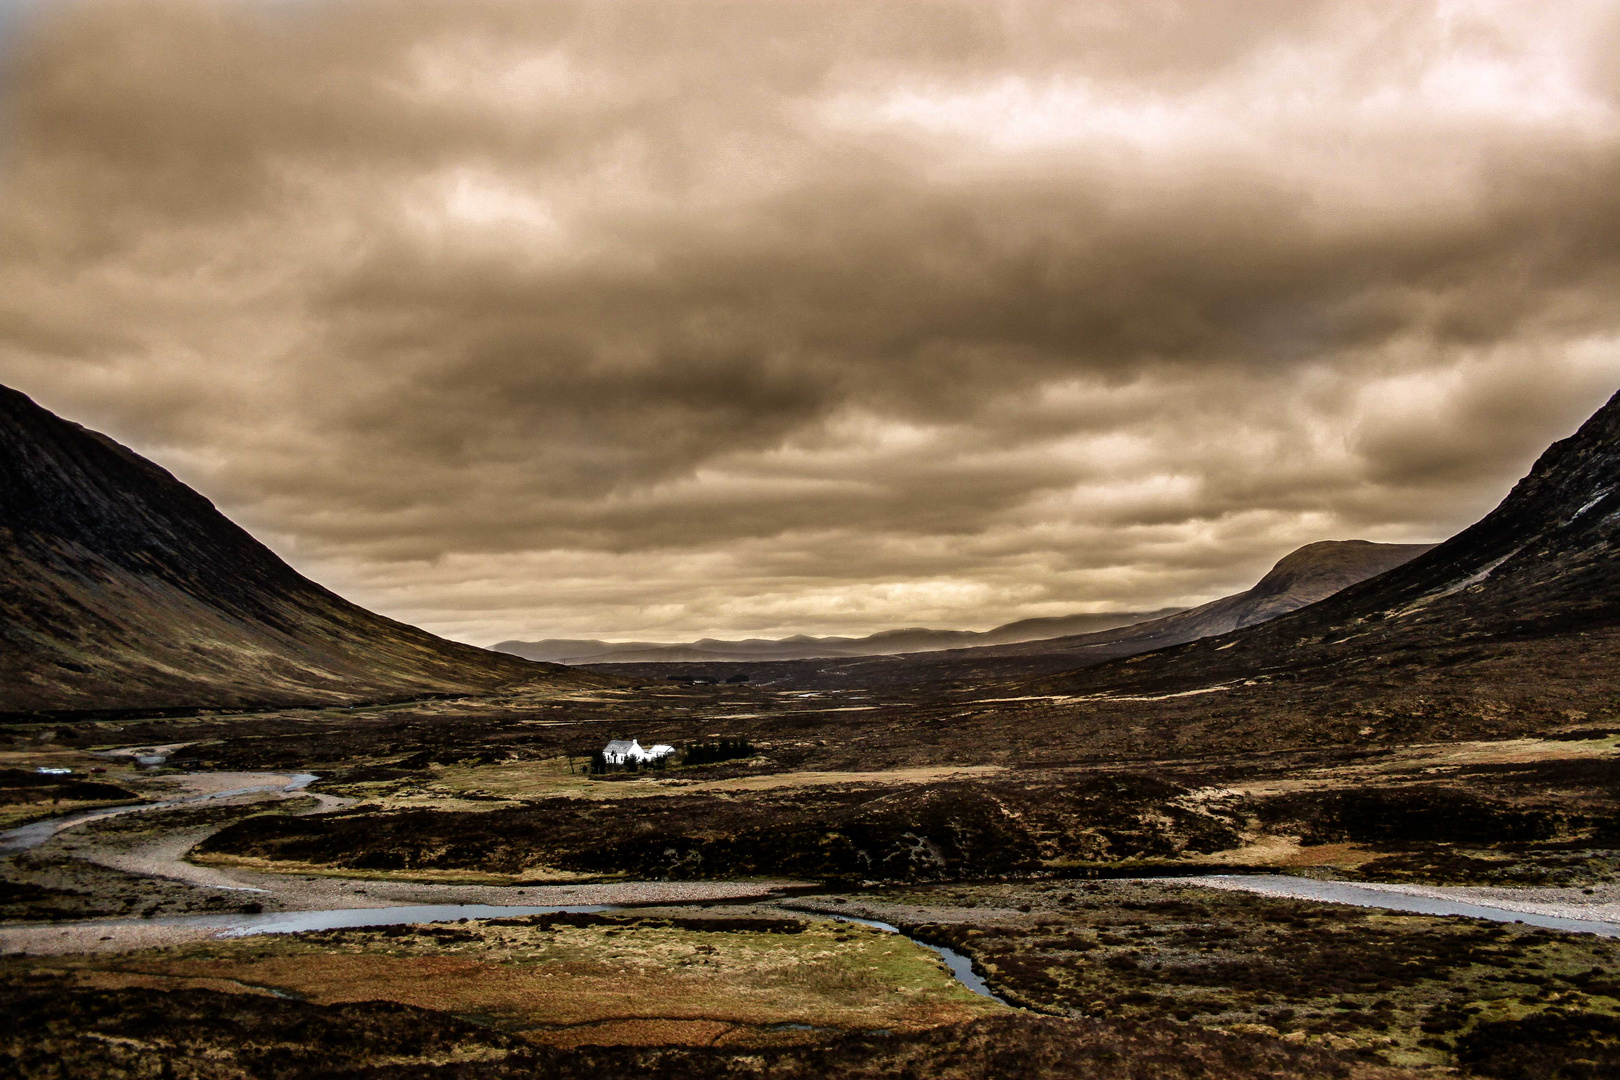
pixel 1334 892
pixel 1424 900
pixel 32 835
pixel 1418 900
pixel 247 924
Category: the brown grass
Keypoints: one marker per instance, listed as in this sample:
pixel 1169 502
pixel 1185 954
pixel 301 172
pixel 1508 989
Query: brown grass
pixel 613 980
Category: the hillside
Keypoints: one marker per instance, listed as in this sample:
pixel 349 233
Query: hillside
pixel 1303 577
pixel 120 588
pixel 1540 568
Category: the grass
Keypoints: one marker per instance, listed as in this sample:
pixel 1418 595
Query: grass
pixel 1412 990
pixel 539 875
pixel 15 815
pixel 27 796
pixel 550 777
pixel 565 980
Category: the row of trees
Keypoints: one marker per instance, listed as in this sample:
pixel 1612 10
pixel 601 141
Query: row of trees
pixel 707 753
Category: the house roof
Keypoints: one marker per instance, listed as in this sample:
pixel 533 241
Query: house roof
pixel 621 745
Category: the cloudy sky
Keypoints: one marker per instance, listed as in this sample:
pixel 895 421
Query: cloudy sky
pixel 650 320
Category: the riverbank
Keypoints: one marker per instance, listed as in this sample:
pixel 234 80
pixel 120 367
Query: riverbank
pixel 1573 910
pixel 123 935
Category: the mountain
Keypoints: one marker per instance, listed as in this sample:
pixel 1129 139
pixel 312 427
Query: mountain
pixel 1303 577
pixel 121 588
pixel 1530 596
pixel 802 647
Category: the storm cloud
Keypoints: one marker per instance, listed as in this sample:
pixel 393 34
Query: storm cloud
pixel 662 319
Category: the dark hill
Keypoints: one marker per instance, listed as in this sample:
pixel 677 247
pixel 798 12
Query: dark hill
pixel 120 588
pixel 1526 601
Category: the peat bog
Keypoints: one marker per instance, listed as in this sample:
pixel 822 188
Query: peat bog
pixel 1449 723
pixel 1017 862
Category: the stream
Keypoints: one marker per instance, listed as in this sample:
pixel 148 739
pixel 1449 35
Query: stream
pixel 1389 897
pixel 246 924
pixel 961 968
pixel 1342 892
pixel 959 965
pixel 36 833
pixel 298 922
pixel 294 922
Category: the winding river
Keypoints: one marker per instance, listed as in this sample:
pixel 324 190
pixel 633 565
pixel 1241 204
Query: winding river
pixel 1415 899
pixel 1332 892
pixel 36 833
pixel 236 925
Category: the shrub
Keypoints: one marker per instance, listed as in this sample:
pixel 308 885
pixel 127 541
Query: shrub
pixel 707 753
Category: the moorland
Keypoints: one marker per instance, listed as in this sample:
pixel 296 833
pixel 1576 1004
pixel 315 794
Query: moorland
pixel 1092 832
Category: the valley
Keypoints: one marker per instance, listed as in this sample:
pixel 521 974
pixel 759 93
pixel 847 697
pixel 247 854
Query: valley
pixel 743 540
pixel 1066 879
pixel 1361 820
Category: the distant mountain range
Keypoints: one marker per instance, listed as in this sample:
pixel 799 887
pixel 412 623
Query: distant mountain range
pixel 122 588
pixel 1301 578
pixel 801 647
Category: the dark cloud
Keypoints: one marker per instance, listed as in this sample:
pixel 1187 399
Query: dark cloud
pixel 650 318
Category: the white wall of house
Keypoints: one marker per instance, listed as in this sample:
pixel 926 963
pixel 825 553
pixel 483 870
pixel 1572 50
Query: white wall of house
pixel 620 751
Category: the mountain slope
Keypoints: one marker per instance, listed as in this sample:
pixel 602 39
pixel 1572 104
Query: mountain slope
pixel 1302 577
pixel 1538 573
pixel 120 587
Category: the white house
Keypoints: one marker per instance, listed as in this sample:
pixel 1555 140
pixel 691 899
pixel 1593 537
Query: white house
pixel 620 751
